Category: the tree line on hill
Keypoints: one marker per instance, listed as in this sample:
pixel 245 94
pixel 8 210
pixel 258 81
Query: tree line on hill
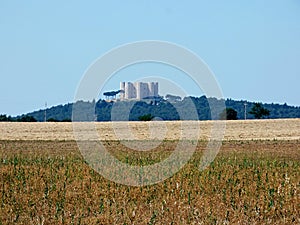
pixel 24 118
pixel 171 108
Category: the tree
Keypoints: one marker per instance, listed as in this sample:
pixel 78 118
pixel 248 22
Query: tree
pixel 173 98
pixel 229 114
pixel 112 94
pixel 259 111
pixel 5 118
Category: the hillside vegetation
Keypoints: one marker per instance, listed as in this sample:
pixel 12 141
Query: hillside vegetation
pixel 166 110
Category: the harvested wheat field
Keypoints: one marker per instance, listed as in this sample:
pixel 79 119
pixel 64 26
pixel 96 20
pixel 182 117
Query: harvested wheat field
pixel 283 129
pixel 254 179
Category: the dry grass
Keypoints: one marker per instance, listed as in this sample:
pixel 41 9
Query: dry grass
pixel 250 182
pixel 283 129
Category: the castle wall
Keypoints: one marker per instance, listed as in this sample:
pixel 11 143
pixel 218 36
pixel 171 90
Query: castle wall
pixel 138 90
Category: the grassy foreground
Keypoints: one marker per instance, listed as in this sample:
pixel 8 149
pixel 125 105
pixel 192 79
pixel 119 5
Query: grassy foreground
pixel 250 182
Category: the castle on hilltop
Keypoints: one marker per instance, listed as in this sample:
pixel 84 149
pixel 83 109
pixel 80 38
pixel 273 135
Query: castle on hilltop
pixel 138 90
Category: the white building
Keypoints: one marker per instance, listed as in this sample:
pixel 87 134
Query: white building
pixel 138 90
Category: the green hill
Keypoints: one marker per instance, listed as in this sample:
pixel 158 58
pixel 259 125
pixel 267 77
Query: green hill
pixel 159 108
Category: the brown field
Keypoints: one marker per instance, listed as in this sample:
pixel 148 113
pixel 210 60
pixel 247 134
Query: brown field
pixel 254 179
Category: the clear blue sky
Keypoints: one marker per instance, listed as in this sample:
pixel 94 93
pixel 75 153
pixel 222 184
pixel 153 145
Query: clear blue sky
pixel 253 47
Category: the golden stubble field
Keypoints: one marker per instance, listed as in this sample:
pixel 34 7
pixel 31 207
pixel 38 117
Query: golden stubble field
pixel 283 129
pixel 254 179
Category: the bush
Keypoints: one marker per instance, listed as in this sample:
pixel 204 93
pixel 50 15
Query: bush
pixel 52 120
pixel 147 117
